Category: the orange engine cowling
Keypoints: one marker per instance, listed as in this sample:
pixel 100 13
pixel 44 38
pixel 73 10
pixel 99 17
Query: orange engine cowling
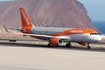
pixel 56 41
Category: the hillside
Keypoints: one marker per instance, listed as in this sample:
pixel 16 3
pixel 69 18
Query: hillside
pixel 54 13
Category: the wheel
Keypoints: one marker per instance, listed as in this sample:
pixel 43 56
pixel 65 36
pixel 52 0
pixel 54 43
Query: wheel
pixel 88 47
pixel 68 45
pixel 49 45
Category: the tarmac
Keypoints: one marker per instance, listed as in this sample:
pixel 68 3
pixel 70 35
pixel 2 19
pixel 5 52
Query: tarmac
pixel 26 56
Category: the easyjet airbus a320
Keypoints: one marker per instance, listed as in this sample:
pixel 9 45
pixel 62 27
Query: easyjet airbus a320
pixel 56 36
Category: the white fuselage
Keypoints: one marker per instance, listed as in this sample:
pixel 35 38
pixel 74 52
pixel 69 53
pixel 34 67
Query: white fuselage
pixel 84 37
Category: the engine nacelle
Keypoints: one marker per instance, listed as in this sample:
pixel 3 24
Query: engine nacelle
pixel 56 41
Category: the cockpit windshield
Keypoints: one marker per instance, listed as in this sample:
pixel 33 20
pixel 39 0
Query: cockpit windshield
pixel 93 34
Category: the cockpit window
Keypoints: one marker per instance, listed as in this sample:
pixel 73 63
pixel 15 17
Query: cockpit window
pixel 93 34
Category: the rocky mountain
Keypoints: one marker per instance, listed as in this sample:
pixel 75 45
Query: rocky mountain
pixel 53 13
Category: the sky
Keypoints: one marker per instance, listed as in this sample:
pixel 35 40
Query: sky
pixel 95 9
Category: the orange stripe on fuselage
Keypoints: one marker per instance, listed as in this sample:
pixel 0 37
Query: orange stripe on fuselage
pixel 73 32
pixel 63 33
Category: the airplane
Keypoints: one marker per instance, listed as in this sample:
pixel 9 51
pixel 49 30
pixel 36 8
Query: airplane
pixel 55 35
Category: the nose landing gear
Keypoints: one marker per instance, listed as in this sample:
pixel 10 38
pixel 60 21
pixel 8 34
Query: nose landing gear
pixel 88 47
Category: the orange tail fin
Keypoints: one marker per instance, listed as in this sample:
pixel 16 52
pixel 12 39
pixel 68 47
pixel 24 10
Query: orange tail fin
pixel 25 19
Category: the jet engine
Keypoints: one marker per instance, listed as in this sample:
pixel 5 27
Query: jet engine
pixel 56 41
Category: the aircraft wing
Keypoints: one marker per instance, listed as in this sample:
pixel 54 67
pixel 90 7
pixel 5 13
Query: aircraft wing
pixel 47 36
pixel 43 36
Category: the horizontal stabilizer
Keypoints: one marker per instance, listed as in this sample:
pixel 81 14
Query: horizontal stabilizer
pixel 5 28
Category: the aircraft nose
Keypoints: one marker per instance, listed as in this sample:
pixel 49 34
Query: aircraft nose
pixel 98 38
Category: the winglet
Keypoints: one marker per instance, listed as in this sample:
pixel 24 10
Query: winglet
pixel 5 28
